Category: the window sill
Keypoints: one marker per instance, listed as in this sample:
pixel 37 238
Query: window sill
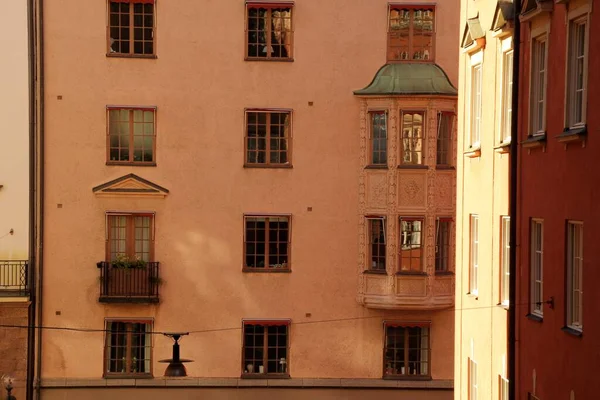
pixel 269 59
pixel 444 273
pixel 374 272
pixel 407 377
pixel 503 148
pixel 473 152
pixel 262 270
pixel 416 273
pixel 127 376
pixel 445 167
pixel 535 317
pixel 504 306
pixel 265 376
pixel 532 141
pixel 577 134
pixel 278 166
pixel 473 294
pixel 120 55
pixel 372 166
pixel 130 164
pixel 572 331
pixel 411 166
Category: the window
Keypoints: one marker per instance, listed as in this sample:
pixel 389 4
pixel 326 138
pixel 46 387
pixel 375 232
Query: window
pixel 444 138
pixel 131 27
pixel 442 244
pixel 476 77
pixel 128 348
pixel 407 351
pixel 474 261
pixel 269 33
pixel 411 246
pixel 412 138
pixel 411 33
pixel 538 86
pixel 267 242
pixel 376 244
pixel 507 89
pixel 575 275
pixel 577 72
pixel 503 383
pixel 131 237
pixel 537 269
pixel 131 136
pixel 504 260
pixel 268 138
pixel 265 348
pixel 378 138
pixel 472 380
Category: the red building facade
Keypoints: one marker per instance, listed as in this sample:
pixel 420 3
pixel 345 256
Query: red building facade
pixel 557 348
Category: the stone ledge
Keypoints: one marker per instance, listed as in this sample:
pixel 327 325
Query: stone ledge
pixel 50 383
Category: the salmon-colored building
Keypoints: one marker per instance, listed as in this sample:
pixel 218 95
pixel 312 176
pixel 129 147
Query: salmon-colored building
pixel 559 182
pixel 214 168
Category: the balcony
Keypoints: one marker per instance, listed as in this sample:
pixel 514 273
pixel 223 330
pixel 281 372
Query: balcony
pixel 407 292
pixel 14 278
pixel 129 285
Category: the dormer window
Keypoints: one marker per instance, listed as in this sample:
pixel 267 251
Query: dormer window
pixel 411 33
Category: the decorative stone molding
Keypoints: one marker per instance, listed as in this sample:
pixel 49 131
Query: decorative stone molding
pixel 130 185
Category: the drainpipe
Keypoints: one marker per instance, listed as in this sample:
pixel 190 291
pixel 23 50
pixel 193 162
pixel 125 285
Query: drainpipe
pixel 31 270
pixel 514 175
pixel 40 171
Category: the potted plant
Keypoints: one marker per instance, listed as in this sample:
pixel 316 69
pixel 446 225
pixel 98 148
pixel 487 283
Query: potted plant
pixel 125 262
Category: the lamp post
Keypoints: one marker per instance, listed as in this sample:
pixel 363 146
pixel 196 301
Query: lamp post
pixel 8 385
pixel 176 367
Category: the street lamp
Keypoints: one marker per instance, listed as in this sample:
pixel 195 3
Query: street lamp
pixel 8 381
pixel 175 367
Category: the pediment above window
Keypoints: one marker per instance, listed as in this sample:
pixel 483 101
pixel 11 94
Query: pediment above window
pixel 473 36
pixel 130 185
pixel 533 8
pixel 503 18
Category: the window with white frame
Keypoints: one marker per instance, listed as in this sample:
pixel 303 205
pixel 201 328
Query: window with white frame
pixel 504 260
pixel 577 72
pixel 538 85
pixel 472 380
pixel 503 387
pixel 476 84
pixel 507 88
pixel 575 275
pixel 537 267
pixel 474 257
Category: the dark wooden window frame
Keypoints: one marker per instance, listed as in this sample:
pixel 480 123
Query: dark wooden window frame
pixel 269 6
pixel 448 245
pixel 422 138
pixel 448 139
pixel 288 267
pixel 266 324
pixel 131 28
pixel 369 266
pixel 387 374
pixel 411 33
pixel 421 244
pixel 130 232
pixel 107 336
pixel 131 110
pixel 288 139
pixel 371 157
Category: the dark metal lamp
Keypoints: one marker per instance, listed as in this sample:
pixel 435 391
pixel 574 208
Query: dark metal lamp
pixel 8 385
pixel 176 367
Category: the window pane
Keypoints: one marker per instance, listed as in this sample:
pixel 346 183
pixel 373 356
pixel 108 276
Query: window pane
pixel 412 138
pixel 377 260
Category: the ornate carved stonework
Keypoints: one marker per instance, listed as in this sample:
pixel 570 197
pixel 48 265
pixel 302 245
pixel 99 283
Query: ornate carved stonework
pixel 445 193
pixel 443 286
pixel 412 190
pixel 376 284
pixel 378 188
pixel 411 286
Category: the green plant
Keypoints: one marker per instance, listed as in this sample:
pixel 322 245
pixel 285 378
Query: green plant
pixel 124 262
pixel 157 280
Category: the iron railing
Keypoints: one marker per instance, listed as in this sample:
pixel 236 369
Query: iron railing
pixel 129 285
pixel 14 278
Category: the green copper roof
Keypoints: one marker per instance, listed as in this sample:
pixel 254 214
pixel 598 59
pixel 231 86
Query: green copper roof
pixel 409 78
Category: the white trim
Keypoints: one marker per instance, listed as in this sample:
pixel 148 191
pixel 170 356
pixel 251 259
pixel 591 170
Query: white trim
pixel 536 272
pixel 538 36
pixel 575 269
pixel 575 16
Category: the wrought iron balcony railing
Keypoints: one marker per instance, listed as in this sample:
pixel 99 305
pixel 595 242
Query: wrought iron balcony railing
pixel 14 278
pixel 137 284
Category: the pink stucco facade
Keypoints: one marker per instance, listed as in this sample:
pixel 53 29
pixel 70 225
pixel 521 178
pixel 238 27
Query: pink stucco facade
pixel 200 85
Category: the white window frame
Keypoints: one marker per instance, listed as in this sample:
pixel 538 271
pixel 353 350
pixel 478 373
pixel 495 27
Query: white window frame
pixel 504 260
pixel 502 388
pixel 475 96
pixel 575 275
pixel 474 253
pixel 506 80
pixel 579 16
pixel 537 267
pixel 473 387
pixel 538 83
